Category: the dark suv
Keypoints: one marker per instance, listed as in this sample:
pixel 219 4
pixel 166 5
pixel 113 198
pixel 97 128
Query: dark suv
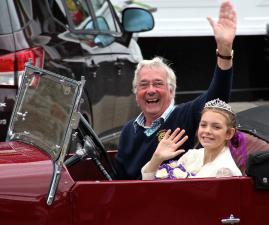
pixel 74 38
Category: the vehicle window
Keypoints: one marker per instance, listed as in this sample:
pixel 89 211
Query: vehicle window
pixel 78 12
pixel 21 11
pixel 97 4
pixel 91 16
pixel 101 9
pixel 57 9
pixel 5 26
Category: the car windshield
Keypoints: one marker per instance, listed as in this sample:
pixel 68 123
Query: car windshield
pixel 43 110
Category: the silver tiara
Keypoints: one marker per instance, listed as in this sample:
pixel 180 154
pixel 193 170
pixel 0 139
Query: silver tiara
pixel 217 103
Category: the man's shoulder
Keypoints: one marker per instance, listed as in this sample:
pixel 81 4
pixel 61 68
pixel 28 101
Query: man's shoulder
pixel 192 107
pixel 185 107
pixel 182 106
pixel 189 104
pixel 129 124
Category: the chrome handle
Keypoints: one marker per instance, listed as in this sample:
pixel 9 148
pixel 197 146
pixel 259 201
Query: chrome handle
pixel 230 220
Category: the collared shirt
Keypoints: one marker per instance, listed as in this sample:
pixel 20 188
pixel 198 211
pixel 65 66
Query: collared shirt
pixel 140 121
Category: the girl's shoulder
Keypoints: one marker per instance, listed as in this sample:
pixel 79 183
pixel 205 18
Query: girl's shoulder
pixel 226 162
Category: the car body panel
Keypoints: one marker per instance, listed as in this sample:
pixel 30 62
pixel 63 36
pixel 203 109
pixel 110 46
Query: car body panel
pixel 150 202
pixel 254 203
pixel 25 176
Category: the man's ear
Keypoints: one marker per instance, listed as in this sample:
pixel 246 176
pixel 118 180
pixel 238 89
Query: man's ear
pixel 171 93
pixel 171 90
pixel 230 133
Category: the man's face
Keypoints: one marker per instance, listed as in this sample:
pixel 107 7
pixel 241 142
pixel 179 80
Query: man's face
pixel 153 94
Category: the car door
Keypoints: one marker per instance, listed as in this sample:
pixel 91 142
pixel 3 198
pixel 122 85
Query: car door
pixel 254 203
pixel 184 202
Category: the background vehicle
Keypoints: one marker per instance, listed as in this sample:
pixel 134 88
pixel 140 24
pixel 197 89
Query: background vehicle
pixel 74 38
pixel 42 183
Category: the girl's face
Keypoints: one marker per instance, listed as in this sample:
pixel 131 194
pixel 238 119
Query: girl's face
pixel 213 131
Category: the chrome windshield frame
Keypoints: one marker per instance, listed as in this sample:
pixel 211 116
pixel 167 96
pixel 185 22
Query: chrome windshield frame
pixel 71 120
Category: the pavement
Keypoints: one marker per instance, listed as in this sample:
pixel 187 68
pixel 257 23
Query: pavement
pixel 240 106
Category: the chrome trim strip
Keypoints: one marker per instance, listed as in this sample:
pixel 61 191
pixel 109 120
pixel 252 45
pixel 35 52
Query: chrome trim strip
pixel 58 165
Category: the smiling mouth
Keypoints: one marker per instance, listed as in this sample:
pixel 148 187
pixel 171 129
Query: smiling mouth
pixel 206 139
pixel 152 101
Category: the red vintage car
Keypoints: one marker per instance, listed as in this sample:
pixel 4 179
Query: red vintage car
pixel 55 170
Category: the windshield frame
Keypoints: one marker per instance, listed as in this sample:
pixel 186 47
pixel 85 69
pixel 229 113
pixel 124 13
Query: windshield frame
pixel 28 135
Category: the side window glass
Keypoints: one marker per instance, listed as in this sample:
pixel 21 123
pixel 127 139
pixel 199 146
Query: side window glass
pixel 102 9
pixel 21 11
pixel 27 8
pixel 78 13
pixel 93 16
pixel 5 26
pixel 57 10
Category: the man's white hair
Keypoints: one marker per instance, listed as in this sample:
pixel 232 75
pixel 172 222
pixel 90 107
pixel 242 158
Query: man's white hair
pixel 156 63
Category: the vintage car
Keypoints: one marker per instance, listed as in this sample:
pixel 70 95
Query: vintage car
pixel 54 171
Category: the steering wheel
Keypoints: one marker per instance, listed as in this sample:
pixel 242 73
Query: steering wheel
pixel 92 147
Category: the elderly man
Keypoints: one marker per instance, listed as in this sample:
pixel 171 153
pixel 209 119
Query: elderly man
pixel 154 86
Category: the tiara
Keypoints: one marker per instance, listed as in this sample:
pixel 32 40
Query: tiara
pixel 217 103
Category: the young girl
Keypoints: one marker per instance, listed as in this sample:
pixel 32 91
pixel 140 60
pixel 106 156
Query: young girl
pixel 216 129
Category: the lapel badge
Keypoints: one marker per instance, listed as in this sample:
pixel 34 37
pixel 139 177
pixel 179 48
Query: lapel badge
pixel 161 134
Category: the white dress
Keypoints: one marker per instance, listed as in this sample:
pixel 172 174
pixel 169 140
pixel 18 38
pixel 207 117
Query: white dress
pixel 192 164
